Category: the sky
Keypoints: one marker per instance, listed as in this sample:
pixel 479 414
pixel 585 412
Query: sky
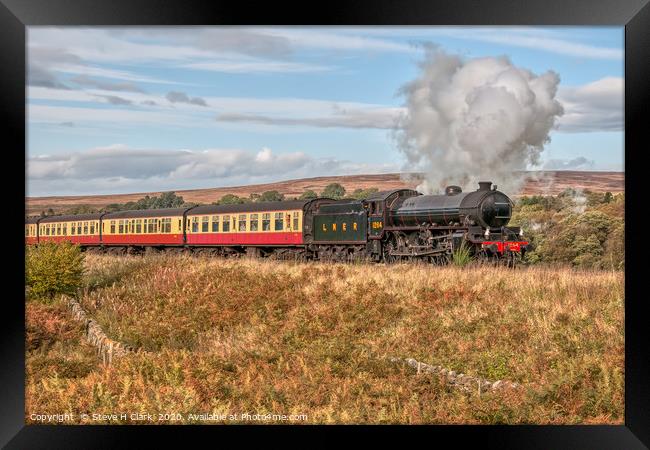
pixel 137 109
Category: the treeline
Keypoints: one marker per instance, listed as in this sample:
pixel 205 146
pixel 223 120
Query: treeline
pixel 171 200
pixel 165 200
pixel 333 190
pixel 582 229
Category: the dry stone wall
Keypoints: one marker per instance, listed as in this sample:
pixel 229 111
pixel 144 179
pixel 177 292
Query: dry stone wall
pixel 107 348
pixel 461 381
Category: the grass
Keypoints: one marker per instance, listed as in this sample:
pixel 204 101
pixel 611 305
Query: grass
pixel 236 336
pixel 462 255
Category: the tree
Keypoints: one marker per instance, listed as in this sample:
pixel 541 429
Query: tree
pixel 308 195
pixel 334 190
pixel 231 199
pixel 166 200
pixel 271 196
pixel 362 194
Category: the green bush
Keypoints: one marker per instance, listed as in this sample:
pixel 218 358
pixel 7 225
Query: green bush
pixel 53 269
pixel 564 230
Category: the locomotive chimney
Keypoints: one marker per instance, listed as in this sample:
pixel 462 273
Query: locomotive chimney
pixel 484 185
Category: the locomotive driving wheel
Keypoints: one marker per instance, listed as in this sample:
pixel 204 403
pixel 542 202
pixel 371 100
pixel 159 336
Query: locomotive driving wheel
pixel 388 250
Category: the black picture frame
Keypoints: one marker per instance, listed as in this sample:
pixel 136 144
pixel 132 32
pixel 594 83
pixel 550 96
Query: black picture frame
pixel 16 15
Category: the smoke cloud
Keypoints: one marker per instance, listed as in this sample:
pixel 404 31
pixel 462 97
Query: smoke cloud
pixel 475 119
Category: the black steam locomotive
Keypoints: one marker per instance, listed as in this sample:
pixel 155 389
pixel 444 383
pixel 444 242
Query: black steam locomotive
pixel 403 224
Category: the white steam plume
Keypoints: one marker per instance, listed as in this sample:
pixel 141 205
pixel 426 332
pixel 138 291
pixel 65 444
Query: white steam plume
pixel 475 119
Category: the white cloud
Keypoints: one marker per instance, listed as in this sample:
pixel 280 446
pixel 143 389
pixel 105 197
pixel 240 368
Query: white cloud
pixel 558 41
pixel 110 117
pixel 579 163
pixel 381 118
pixel 337 39
pixel 596 106
pixel 256 66
pixel 121 169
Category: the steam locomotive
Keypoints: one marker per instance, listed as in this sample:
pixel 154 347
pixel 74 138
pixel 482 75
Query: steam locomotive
pixel 389 226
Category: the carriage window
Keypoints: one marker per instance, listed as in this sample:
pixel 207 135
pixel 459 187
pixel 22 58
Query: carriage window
pixel 73 228
pixel 138 226
pixel 167 225
pixel 65 229
pixel 278 222
pixel 266 222
pixel 121 227
pixel 215 224
pixel 295 220
pixel 153 226
pixel 92 228
pixel 255 222
pixel 205 224
pixel 226 224
pixel 78 227
pixel 242 222
pixel 26 231
pixel 195 224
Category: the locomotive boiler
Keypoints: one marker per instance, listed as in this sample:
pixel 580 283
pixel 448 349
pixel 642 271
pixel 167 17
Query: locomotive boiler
pixel 485 207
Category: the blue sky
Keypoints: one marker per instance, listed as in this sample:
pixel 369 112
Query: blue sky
pixel 113 110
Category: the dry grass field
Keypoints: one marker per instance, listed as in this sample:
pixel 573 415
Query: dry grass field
pixel 550 183
pixel 233 336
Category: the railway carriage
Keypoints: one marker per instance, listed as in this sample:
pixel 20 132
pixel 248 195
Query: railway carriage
pixel 31 227
pixel 80 229
pixel 257 228
pixel 144 228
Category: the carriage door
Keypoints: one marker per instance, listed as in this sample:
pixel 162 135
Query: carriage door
pixel 376 220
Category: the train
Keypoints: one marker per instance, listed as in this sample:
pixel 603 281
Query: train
pixel 388 226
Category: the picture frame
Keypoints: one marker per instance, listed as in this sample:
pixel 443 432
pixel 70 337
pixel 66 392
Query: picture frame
pixel 17 15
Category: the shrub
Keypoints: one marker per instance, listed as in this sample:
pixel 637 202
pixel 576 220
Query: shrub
pixel 53 268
